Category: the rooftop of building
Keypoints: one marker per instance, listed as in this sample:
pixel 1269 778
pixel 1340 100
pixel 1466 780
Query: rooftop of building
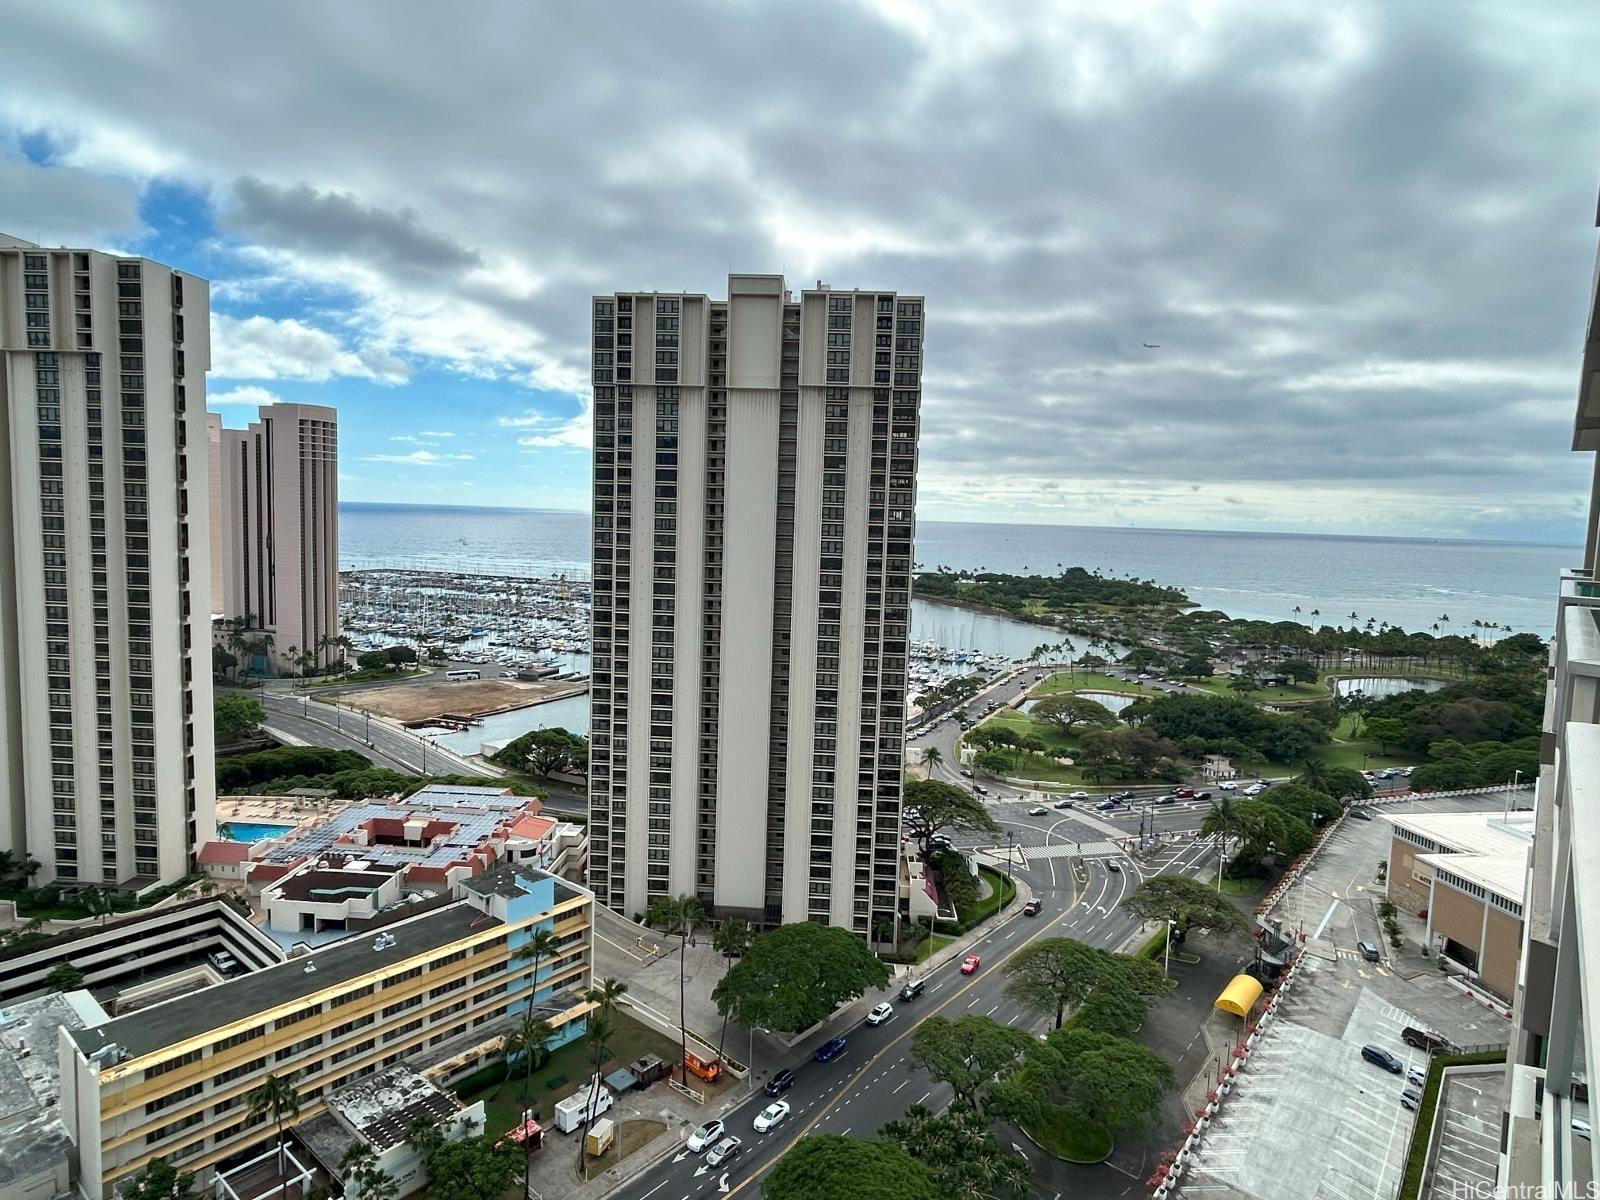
pixel 32 1136
pixel 381 1108
pixel 172 1021
pixel 1502 874
pixel 1490 833
pixel 357 877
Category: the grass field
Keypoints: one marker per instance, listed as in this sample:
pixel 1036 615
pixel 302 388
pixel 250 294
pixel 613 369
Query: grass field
pixel 572 1064
pixel 1084 681
pixel 1074 1138
pixel 1217 685
pixel 928 947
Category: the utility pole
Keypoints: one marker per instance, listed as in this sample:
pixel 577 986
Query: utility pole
pixel 1166 956
pixel 1010 837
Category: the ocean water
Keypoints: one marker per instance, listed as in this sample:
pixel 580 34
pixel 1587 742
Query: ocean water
pixel 1410 582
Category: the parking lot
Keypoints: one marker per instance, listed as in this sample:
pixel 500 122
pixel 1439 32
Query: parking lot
pixel 1469 1139
pixel 1310 1117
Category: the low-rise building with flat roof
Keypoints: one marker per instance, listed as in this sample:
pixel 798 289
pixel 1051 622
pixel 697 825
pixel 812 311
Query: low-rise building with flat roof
pixel 173 1079
pixel 1464 873
pixel 36 1158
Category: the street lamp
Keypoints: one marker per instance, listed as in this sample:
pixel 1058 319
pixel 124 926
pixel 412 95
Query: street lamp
pixel 1166 956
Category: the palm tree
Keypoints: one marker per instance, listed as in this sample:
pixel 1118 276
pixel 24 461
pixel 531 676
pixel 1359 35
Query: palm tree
pixel 932 758
pixel 1221 822
pixel 606 993
pixel 1314 774
pixel 678 916
pixel 541 944
pixel 426 1133
pixel 732 939
pixel 277 1100
pixel 528 1039
pixel 600 1038
pixel 360 1166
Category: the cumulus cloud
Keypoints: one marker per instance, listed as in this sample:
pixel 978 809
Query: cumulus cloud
pixel 246 395
pixel 1365 269
pixel 265 348
pixel 419 458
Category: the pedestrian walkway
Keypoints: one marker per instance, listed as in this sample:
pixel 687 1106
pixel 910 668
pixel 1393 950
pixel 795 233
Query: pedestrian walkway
pixel 1072 849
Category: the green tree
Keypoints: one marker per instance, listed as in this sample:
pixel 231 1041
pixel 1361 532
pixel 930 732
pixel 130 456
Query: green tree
pixel 932 758
pixel 400 656
pixel 235 717
pixel 222 661
pixel 1052 974
pixel 931 807
pixel 479 1168
pixel 159 1181
pixel 63 977
pixel 1241 684
pixel 1312 806
pixel 1067 712
pixel 796 975
pixel 373 660
pixel 1386 731
pixel 426 1133
pixel 276 1099
pixel 971 1053
pixel 831 1167
pixel 958 1146
pixel 1197 667
pixel 733 938
pixel 1342 783
pixel 993 763
pixel 544 752
pixel 530 1039
pixel 359 1165
pixel 1111 1081
pixel 1449 774
pixel 1188 903
pixel 679 916
pixel 1298 669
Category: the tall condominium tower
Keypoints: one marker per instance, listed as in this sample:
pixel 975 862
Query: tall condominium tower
pixel 106 774
pixel 754 489
pixel 275 513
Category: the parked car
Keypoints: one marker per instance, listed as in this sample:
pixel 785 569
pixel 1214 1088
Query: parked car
pixel 830 1050
pixel 970 964
pixel 1423 1039
pixel 880 1014
pixel 1410 1098
pixel 779 1083
pixel 913 988
pixel 1033 907
pixel 1105 805
pixel 1406 771
pixel 705 1136
pixel 723 1151
pixel 1360 814
pixel 1416 1076
pixel 1038 810
pixel 1380 1057
pixel 771 1116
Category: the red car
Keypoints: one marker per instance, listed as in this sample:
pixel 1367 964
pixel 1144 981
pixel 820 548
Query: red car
pixel 970 964
pixel 1183 793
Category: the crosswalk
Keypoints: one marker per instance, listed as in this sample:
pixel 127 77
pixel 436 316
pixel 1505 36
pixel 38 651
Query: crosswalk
pixel 1068 849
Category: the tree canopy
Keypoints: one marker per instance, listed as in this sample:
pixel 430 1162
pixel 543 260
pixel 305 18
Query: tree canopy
pixel 1111 1080
pixel 794 976
pixel 479 1168
pixel 1031 594
pixel 830 1167
pixel 235 717
pixel 960 1149
pixel 1067 711
pixel 158 1180
pixel 1188 902
pixel 971 1053
pixel 544 752
pixel 1056 972
pixel 932 806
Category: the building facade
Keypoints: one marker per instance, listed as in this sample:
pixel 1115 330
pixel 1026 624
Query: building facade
pixel 276 508
pixel 106 771
pixel 754 504
pixel 172 1080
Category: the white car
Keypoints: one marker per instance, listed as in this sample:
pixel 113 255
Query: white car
pixel 705 1136
pixel 1255 789
pixel 1228 785
pixel 880 1014
pixel 1077 795
pixel 771 1116
pixel 1038 810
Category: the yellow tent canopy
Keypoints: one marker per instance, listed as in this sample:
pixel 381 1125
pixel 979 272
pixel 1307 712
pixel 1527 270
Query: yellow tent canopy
pixel 1240 996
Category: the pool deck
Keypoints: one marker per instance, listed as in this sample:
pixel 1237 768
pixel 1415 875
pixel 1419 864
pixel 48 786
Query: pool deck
pixel 273 810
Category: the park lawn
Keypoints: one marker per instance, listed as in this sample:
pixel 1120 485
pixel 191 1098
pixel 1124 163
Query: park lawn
pixel 1058 740
pixel 1084 681
pixel 634 1135
pixel 1002 892
pixel 1072 1137
pixel 383 675
pixel 1362 754
pixel 1243 885
pixel 575 1061
pixel 1217 685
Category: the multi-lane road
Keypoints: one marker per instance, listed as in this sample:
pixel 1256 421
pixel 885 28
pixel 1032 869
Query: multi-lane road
pixel 874 1081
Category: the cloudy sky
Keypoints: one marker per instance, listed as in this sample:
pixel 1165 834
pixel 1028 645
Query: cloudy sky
pixel 1361 234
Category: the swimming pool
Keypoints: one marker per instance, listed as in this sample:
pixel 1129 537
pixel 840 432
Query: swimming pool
pixel 250 831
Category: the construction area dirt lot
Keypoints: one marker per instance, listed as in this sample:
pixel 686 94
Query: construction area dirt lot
pixel 431 698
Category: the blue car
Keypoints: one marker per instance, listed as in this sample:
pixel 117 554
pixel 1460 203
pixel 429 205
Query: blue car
pixel 831 1050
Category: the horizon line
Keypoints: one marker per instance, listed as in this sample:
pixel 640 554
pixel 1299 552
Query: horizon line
pixel 1368 537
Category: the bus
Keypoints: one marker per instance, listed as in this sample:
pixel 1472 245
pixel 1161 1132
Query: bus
pixel 454 676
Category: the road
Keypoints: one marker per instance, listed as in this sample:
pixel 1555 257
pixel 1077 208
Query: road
pixel 320 724
pixel 874 1081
